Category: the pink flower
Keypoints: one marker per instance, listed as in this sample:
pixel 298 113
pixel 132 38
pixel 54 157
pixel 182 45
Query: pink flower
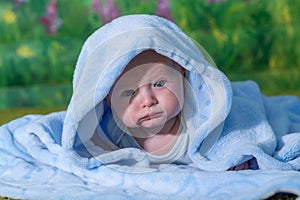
pixel 163 9
pixel 106 12
pixel 50 20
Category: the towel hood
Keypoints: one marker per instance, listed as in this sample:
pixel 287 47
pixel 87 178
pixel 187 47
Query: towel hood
pixel 109 49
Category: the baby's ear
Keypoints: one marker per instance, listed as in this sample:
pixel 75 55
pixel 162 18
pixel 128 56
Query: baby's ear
pixel 107 100
pixel 183 71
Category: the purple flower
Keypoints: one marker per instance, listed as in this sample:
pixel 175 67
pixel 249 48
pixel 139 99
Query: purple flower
pixel 50 20
pixel 214 1
pixel 163 9
pixel 107 11
pixel 17 3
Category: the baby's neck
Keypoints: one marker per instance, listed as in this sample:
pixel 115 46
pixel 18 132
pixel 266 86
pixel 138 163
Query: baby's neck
pixel 162 142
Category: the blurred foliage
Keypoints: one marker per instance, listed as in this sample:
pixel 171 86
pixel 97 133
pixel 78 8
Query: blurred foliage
pixel 36 95
pixel 253 39
pixel 245 35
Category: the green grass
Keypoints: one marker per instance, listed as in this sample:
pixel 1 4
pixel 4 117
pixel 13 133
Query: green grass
pixel 10 114
pixel 276 82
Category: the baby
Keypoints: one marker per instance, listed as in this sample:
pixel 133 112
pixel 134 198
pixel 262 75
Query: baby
pixel 146 101
pixel 148 98
pixel 149 116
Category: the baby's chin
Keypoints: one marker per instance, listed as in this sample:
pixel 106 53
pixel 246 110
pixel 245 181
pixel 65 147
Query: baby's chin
pixel 146 129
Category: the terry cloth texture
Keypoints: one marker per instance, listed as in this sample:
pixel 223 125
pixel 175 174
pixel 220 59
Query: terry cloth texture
pixel 52 156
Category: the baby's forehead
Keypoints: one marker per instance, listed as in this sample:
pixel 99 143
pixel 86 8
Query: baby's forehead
pixel 149 57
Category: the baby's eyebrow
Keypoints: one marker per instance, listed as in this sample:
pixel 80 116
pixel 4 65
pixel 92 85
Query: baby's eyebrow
pixel 125 86
pixel 134 83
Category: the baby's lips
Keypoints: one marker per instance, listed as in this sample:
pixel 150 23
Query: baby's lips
pixel 145 118
pixel 150 116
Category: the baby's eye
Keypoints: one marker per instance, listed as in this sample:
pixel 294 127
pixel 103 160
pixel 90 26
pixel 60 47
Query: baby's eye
pixel 160 83
pixel 128 93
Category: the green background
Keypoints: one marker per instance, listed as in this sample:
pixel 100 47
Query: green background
pixel 254 39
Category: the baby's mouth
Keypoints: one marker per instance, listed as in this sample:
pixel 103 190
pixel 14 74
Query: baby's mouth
pixel 150 116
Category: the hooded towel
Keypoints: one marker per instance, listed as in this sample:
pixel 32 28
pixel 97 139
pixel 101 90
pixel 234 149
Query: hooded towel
pixel 229 123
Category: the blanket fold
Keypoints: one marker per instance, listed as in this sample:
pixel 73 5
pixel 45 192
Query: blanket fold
pixel 54 157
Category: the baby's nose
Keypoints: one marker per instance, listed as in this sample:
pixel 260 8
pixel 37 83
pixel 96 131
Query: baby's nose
pixel 147 97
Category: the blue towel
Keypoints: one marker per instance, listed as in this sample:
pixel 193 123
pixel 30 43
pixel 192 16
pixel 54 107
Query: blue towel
pixel 52 156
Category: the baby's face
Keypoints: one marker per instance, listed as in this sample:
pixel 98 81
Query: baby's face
pixel 149 93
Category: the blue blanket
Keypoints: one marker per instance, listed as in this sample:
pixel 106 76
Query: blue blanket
pixel 53 156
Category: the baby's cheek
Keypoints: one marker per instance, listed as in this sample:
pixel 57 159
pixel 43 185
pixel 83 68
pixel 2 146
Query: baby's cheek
pixel 175 98
pixel 129 116
pixel 175 104
pixel 120 107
